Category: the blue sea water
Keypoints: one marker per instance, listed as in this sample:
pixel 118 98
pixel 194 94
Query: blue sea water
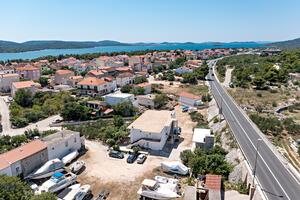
pixel 109 49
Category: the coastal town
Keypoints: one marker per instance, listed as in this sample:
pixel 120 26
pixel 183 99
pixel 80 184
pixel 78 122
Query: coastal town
pixel 120 126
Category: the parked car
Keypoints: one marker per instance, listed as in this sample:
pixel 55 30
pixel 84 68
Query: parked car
pixel 116 154
pixel 141 158
pixel 132 157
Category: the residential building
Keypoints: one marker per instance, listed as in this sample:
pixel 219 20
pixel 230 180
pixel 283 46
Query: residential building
pixel 214 185
pixel 202 138
pixel 103 61
pixel 23 160
pixel 146 100
pixel 96 105
pixel 6 69
pixel 116 98
pixel 95 87
pixel 153 129
pixel 96 73
pixel 62 76
pixel 26 85
pixel 62 143
pixel 6 81
pixel 29 72
pixel 190 99
pixel 125 78
pixel 74 80
pixel 184 70
pixel 146 86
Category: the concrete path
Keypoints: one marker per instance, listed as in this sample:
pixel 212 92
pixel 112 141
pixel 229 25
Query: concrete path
pixel 227 80
pixel 4 110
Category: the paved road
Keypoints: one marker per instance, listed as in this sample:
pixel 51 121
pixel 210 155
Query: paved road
pixel 42 125
pixel 273 176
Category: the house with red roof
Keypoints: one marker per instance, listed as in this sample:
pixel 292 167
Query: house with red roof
pixel 23 160
pixel 125 79
pixel 95 87
pixel 29 72
pixel 26 85
pixel 62 76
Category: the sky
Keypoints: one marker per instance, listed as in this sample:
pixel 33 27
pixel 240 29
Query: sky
pixel 150 20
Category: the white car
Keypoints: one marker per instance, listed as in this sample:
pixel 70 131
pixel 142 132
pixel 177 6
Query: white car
pixel 141 158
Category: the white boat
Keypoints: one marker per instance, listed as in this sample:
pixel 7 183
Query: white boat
pixel 161 188
pixel 77 166
pixel 175 167
pixel 75 192
pixel 71 156
pixel 57 182
pixel 68 191
pixel 48 169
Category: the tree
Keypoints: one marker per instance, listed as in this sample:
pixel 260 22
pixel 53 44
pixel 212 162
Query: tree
pixel 124 109
pixel 44 196
pixel 118 120
pixel 43 81
pixel 138 91
pixel 189 78
pixel 140 79
pixel 74 111
pixel 126 88
pixel 259 82
pixel 160 100
pixel 13 188
pixel 185 156
pixel 23 98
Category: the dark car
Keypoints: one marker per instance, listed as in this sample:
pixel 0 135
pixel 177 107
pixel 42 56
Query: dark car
pixel 132 157
pixel 103 195
pixel 116 154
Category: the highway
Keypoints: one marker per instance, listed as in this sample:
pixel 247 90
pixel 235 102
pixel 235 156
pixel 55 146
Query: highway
pixel 276 181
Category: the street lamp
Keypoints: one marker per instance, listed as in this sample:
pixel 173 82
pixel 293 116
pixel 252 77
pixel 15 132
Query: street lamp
pixel 254 169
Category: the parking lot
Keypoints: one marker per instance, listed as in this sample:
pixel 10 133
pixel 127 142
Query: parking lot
pixel 121 178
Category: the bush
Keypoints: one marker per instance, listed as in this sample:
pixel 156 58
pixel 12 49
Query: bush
pixel 74 111
pixel 125 109
pixel 126 88
pixel 160 100
pixel 23 98
pixel 140 79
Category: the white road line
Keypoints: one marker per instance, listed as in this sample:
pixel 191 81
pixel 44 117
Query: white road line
pixel 252 143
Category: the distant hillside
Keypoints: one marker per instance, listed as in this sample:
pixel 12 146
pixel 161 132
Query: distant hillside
pixel 11 47
pixel 289 44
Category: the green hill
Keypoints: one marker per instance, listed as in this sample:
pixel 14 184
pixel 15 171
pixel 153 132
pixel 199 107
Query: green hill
pixel 289 44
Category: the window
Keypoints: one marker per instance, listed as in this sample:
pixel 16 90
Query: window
pixel 66 144
pixel 75 140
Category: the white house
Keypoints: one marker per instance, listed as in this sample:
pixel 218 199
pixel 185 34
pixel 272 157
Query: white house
pixel 184 70
pixel 26 85
pixel 153 129
pixel 62 143
pixel 93 86
pixel 118 97
pixel 202 138
pixel 6 81
pixel 190 99
pixel 125 79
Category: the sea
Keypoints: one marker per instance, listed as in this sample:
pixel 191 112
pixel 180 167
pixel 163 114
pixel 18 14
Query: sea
pixel 109 49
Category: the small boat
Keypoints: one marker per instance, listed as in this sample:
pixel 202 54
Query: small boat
pixel 75 192
pixel 161 188
pixel 48 169
pixel 175 167
pixel 69 190
pixel 71 156
pixel 77 166
pixel 57 182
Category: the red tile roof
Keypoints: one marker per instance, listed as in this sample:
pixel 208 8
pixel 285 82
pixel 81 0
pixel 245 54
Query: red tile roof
pixel 30 68
pixel 23 84
pixel 63 72
pixel 189 95
pixel 95 72
pixel 23 151
pixel 144 84
pixel 213 181
pixel 92 81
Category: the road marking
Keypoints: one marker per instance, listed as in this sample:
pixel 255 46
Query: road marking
pixel 251 141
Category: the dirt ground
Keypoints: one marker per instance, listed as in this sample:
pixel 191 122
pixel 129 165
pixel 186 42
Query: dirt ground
pixel 120 178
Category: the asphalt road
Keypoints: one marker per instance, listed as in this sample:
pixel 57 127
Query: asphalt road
pixel 276 181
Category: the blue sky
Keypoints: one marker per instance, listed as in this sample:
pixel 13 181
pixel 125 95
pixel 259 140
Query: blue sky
pixel 150 20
